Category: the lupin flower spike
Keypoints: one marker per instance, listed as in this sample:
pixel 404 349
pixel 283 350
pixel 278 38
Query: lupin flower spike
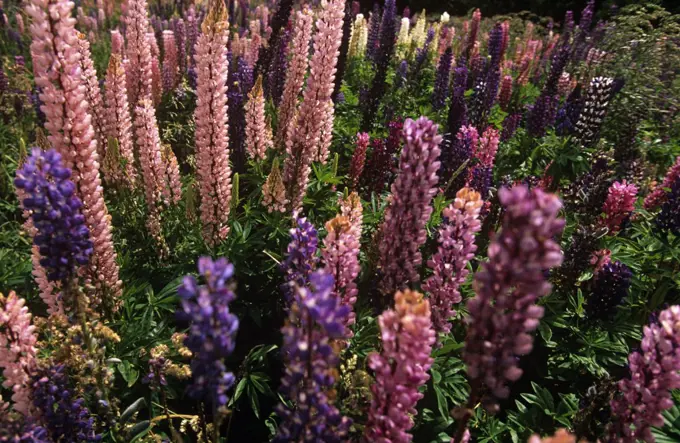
pixel 138 51
pixel 17 350
pixel 358 159
pixel 212 330
pixel 170 65
pixel 504 310
pixel 619 205
pixel 316 318
pixel 314 115
pixel 93 95
pixel 341 260
pixel 594 110
pixel 457 247
pixel 61 234
pixel 273 190
pixel 119 125
pixel 654 372
pixel 295 76
pixel 212 128
pixel 403 229
pixel 659 195
pixel 57 72
pixel 301 259
pixel 257 136
pixel 401 368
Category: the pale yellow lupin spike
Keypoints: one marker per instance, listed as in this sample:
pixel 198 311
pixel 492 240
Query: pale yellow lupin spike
pixel 216 19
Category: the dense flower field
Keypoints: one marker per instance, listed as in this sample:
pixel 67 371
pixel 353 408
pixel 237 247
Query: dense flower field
pixel 301 221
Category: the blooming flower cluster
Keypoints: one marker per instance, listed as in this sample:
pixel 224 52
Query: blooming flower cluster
pixel 212 328
pixel 358 159
pixel 212 130
pixel 610 286
pixel 301 258
pixel 65 416
pixel 258 135
pixel 619 204
pixel 504 310
pixel 654 372
pixel 316 318
pixel 456 239
pixel 62 237
pixel 404 226
pixel 17 350
pixel 341 260
pixel 401 368
pixel 315 113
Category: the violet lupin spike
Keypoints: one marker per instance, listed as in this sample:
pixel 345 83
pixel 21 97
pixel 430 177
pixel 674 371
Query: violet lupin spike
pixel 456 248
pixel 212 332
pixel 401 368
pixel 654 372
pixel 212 128
pixel 504 311
pixel 441 83
pixel 383 55
pixel 58 226
pixel 303 143
pixel 403 228
pixel 64 95
pixel 301 259
pixel 315 320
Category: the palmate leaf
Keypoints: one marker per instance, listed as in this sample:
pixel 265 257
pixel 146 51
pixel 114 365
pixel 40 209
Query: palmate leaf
pixel 670 432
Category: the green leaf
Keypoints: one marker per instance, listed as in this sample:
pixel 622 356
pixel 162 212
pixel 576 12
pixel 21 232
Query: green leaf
pixel 139 430
pixel 129 373
pixel 130 410
pixel 442 404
